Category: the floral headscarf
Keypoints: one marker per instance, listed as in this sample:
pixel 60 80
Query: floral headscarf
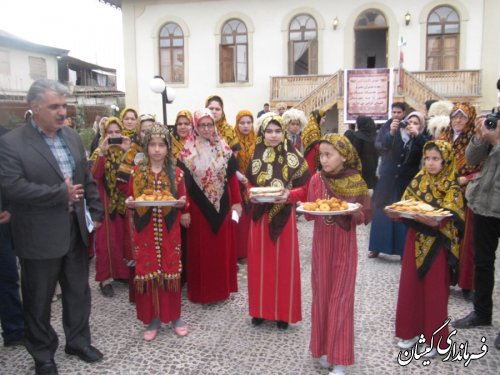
pixel 113 158
pixel 207 160
pixel 131 133
pixel 440 190
pixel 460 144
pixel 279 166
pixel 347 184
pixel 225 130
pixel 247 142
pixel 177 141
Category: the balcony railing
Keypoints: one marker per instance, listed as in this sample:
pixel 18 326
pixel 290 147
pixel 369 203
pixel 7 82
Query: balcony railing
pixel 295 88
pixel 452 83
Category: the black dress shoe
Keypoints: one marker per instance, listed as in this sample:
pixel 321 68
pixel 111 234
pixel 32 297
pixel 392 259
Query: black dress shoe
pixel 87 354
pixel 107 290
pixel 257 321
pixel 47 367
pixel 282 325
pixel 471 320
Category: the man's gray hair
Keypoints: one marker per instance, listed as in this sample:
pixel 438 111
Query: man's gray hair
pixel 40 86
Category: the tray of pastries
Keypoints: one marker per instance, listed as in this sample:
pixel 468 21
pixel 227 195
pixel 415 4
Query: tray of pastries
pixel 267 194
pixel 328 207
pixel 410 207
pixel 155 198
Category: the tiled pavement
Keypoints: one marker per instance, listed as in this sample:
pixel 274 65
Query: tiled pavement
pixel 223 341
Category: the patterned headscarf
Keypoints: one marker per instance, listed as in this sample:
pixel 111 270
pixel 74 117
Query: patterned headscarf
pixel 312 132
pixel 440 190
pixel 247 142
pixel 279 166
pixel 177 141
pixel 223 127
pixel 207 160
pixel 460 144
pixel 131 133
pixel 113 159
pixel 347 184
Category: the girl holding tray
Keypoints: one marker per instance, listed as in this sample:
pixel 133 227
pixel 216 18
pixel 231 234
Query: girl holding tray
pixel 431 251
pixel 157 238
pixel 273 252
pixel 334 252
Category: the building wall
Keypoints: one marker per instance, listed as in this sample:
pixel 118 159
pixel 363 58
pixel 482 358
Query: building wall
pixel 19 80
pixel 267 23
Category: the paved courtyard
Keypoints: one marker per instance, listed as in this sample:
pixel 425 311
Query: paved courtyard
pixel 223 341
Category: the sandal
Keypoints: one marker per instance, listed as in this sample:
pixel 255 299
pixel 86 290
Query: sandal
pixel 181 331
pixel 150 335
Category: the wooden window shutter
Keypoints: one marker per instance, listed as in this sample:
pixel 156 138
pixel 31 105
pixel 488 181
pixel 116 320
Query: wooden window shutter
pixel 227 73
pixel 313 56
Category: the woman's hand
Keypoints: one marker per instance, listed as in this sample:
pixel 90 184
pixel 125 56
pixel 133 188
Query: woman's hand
pixel 181 202
pixel 283 198
pixel 237 207
pixel 427 220
pixel 186 220
pixel 392 214
pixel 129 203
pixel 126 142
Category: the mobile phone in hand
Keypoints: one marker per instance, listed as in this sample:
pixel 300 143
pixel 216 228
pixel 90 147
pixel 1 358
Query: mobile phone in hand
pixel 115 141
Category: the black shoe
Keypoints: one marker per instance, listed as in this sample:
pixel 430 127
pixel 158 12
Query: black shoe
pixel 107 290
pixel 468 295
pixel 18 342
pixel 87 354
pixel 470 321
pixel 257 321
pixel 497 341
pixel 282 325
pixel 47 367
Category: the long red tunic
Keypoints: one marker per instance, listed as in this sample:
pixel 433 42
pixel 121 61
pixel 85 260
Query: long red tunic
pixel 422 303
pixel 333 279
pixel 110 236
pixel 211 257
pixel 274 268
pixel 155 300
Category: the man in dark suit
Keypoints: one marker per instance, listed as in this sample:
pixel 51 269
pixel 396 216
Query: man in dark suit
pixel 44 175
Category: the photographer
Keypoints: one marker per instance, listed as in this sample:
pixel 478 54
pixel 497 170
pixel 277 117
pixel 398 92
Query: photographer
pixel 401 150
pixel 483 195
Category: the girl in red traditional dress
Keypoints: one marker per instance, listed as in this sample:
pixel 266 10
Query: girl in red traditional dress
pixel 431 252
pixel 213 193
pixel 157 239
pixel 246 135
pixel 334 252
pixel 110 237
pixel 273 252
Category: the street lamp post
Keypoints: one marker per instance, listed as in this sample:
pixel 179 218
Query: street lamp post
pixel 159 86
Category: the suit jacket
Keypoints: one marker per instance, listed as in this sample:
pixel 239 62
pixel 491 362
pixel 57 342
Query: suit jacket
pixel 32 181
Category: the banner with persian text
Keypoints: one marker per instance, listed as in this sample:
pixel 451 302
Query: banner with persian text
pixel 368 93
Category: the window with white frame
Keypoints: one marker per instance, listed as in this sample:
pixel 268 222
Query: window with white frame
pixel 172 53
pixel 38 67
pixel 303 45
pixel 233 52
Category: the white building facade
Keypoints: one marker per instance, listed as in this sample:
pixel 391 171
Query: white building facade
pixel 190 44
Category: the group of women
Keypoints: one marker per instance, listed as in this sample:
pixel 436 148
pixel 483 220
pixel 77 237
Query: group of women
pixel 208 166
